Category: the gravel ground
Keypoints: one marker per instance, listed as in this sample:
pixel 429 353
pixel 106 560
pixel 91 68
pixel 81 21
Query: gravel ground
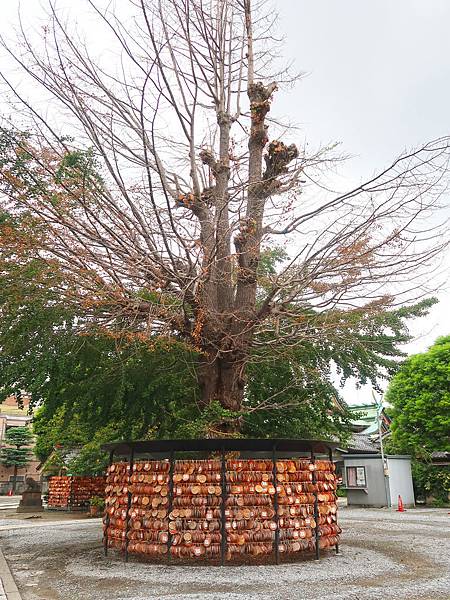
pixel 384 554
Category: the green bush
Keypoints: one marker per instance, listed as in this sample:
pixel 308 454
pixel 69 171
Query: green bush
pixel 97 501
pixel 430 480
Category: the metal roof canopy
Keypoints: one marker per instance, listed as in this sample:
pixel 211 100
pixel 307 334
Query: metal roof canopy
pixel 221 444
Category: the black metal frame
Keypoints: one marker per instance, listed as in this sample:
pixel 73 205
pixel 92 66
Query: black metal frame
pixel 316 509
pixel 70 501
pixel 330 456
pixel 275 504
pixel 271 446
pixel 223 520
pixel 217 444
pixel 170 504
pixel 107 518
pixel 127 528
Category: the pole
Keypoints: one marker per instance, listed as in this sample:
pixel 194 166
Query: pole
pixel 223 530
pixel 316 507
pixel 383 458
pixel 127 526
pixel 275 505
pixel 330 456
pixel 107 517
pixel 70 501
pixel 170 505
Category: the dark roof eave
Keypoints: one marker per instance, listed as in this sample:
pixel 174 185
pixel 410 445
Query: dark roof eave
pixel 360 451
pixel 218 444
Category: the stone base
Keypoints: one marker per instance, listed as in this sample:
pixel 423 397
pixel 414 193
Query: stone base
pixel 29 509
pixel 31 502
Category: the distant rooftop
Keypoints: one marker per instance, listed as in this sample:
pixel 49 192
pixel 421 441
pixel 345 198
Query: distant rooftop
pixel 357 407
pixel 367 420
pixel 360 442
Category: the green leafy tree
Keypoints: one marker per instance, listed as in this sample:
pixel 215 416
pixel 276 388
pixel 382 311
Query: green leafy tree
pixel 420 398
pixel 131 387
pixel 293 392
pixel 149 388
pixel 154 218
pixel 17 453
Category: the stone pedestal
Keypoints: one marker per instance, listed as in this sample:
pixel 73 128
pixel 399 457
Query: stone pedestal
pixel 31 501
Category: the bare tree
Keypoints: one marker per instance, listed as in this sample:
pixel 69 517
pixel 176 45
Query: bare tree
pixel 158 214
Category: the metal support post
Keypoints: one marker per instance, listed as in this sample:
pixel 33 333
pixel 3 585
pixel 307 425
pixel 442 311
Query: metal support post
pixel 70 501
pixel 275 505
pixel 330 455
pixel 316 507
pixel 223 520
pixel 127 526
pixel 170 504
pixel 107 517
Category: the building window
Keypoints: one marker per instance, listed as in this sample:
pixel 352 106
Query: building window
pixel 356 477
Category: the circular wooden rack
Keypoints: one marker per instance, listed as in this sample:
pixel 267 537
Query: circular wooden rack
pixel 243 499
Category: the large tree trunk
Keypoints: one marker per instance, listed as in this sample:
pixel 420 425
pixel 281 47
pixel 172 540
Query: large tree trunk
pixel 222 380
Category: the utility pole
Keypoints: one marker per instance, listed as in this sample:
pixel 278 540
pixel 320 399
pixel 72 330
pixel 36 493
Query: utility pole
pixel 383 458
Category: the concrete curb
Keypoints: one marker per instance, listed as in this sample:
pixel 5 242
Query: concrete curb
pixel 10 591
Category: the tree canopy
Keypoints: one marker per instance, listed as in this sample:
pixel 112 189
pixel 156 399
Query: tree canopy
pixel 152 216
pixel 139 387
pixel 420 398
pixel 93 388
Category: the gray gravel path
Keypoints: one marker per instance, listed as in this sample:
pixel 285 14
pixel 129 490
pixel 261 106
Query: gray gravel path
pixel 384 554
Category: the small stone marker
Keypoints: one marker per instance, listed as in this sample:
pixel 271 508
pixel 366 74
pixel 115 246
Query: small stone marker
pixel 31 497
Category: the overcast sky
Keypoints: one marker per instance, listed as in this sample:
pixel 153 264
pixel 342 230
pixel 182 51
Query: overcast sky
pixel 378 80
